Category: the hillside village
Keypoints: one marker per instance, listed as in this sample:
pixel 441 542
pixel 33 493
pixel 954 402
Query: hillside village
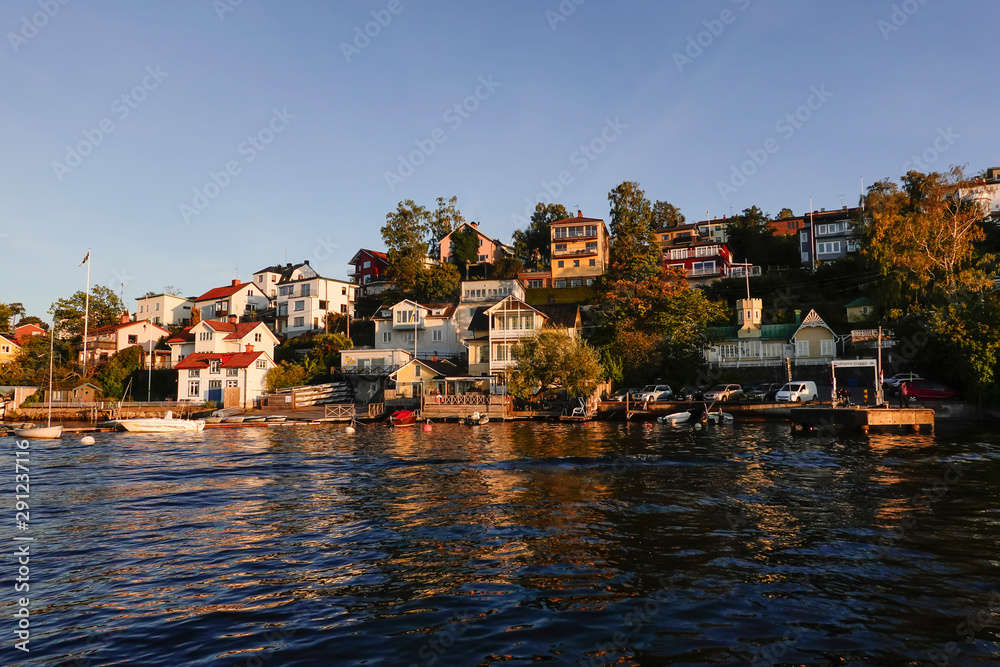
pixel 428 315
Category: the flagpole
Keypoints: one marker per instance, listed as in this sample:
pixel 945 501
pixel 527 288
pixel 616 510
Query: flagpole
pixel 86 313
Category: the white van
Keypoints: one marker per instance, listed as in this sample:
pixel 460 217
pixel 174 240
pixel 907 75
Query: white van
pixel 798 391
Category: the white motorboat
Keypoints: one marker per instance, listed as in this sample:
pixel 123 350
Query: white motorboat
pixel 719 417
pixel 675 418
pixel 166 424
pixel 39 432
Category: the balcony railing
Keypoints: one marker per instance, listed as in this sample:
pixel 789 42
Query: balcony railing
pixel 574 253
pixel 690 253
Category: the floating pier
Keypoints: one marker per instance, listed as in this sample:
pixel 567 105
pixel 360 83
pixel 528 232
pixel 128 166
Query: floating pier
pixel 860 418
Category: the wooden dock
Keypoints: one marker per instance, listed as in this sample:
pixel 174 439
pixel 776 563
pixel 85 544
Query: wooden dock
pixel 860 418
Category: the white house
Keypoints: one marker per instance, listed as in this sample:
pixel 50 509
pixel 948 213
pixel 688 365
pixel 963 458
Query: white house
pixel 497 328
pixel 372 361
pixel 224 362
pixel 240 299
pixel 105 342
pixel 166 309
pixel 428 328
pixel 478 293
pixel 213 336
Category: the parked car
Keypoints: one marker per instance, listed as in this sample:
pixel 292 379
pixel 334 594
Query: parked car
pixel 797 391
pixel 890 386
pixel 761 391
pixel 690 393
pixel 632 393
pixel 925 390
pixel 724 392
pixel 655 392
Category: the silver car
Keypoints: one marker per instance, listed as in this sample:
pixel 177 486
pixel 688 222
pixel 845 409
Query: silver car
pixel 724 392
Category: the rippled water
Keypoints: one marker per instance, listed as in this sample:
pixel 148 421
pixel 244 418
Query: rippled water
pixel 511 543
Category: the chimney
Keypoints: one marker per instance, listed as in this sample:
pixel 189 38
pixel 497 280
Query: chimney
pixel 232 319
pixel 124 317
pixel 579 213
pixel 236 282
pixel 249 347
pixel 798 316
pixel 475 225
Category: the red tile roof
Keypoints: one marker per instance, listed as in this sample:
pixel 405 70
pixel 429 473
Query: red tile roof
pixel 115 327
pixel 227 359
pixel 236 331
pixel 184 336
pixel 220 292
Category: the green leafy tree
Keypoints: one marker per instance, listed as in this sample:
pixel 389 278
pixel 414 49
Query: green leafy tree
pixel 105 309
pixel 439 282
pixel 533 245
pixel 405 236
pixel 113 374
pixel 785 213
pixel 326 348
pixel 507 268
pixel 464 248
pixel 445 219
pixel 635 252
pixel 965 341
pixel 666 214
pixel 31 319
pixel 752 240
pixel 552 357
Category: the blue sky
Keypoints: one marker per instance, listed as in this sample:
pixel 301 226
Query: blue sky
pixel 180 140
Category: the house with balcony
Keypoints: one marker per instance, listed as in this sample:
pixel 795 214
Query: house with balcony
pixel 826 236
pixel 427 330
pixel 706 230
pixel 580 249
pixel 305 298
pixel 213 336
pixel 496 329
pixel 704 261
pixel 476 294
pixel 168 310
pixel 370 269
pixel 243 300
pixel 107 341
pixel 808 342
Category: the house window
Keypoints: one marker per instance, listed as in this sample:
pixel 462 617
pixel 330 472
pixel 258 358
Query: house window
pixel 213 366
pixel 703 268
pixel 560 283
pixel 257 338
pixel 536 284
pixel 343 308
pixel 590 281
pixel 560 264
pixel 133 339
pixel 300 305
pixel 802 348
pixel 826 348
pixel 416 370
pixel 315 323
pixel 299 322
pixel 194 388
pixel 405 317
pixel 193 373
pixel 367 264
pixel 260 278
pixel 232 372
pixel 591 246
pixel 772 350
pixel 593 262
pixel 386 336
pixel 576 282
pixel 156 306
pixel 305 290
pixel 436 335
pixel 560 247
pixel 261 364
pixel 678 253
pixel 322 305
pixel 828 248
pixel 215 384
pixel 576 262
pixel 343 291
pixel 140 309
pixel 728 351
pixel 232 383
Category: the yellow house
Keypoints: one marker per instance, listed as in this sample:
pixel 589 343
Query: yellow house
pixel 752 343
pixel 434 378
pixel 579 251
pixel 859 309
pixel 8 350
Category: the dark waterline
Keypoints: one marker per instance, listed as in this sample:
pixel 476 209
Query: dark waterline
pixel 511 544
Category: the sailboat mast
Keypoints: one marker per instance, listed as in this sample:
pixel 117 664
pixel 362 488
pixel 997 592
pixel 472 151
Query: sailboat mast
pixel 52 343
pixel 86 314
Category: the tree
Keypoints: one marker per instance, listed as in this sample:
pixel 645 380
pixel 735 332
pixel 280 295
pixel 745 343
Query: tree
pixel 31 319
pixel 666 215
pixel 114 373
pixel 445 219
pixel 533 245
pixel 289 374
pixel 635 253
pixel 752 240
pixel 439 281
pixel 552 357
pixel 326 348
pixel 507 268
pixel 105 309
pixel 923 239
pixel 464 248
pixel 785 213
pixel 404 234
pixel 966 341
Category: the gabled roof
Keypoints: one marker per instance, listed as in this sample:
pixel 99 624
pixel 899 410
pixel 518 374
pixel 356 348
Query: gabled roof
pixel 503 304
pixel 184 336
pixel 228 360
pixel 575 220
pixel 440 367
pixel 111 328
pixel 374 254
pixel 562 315
pixel 813 320
pixel 860 301
pixel 235 331
pixel 228 290
pixel 449 308
pixel 10 340
pixel 480 319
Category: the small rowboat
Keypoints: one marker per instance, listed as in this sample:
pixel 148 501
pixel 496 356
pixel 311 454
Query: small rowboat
pixel 675 419
pixel 40 432
pixel 402 418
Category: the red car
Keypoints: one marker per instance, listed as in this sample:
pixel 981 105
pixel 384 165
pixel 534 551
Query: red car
pixel 925 390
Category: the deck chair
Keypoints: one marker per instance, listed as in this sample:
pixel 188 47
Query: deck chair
pixel 581 410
